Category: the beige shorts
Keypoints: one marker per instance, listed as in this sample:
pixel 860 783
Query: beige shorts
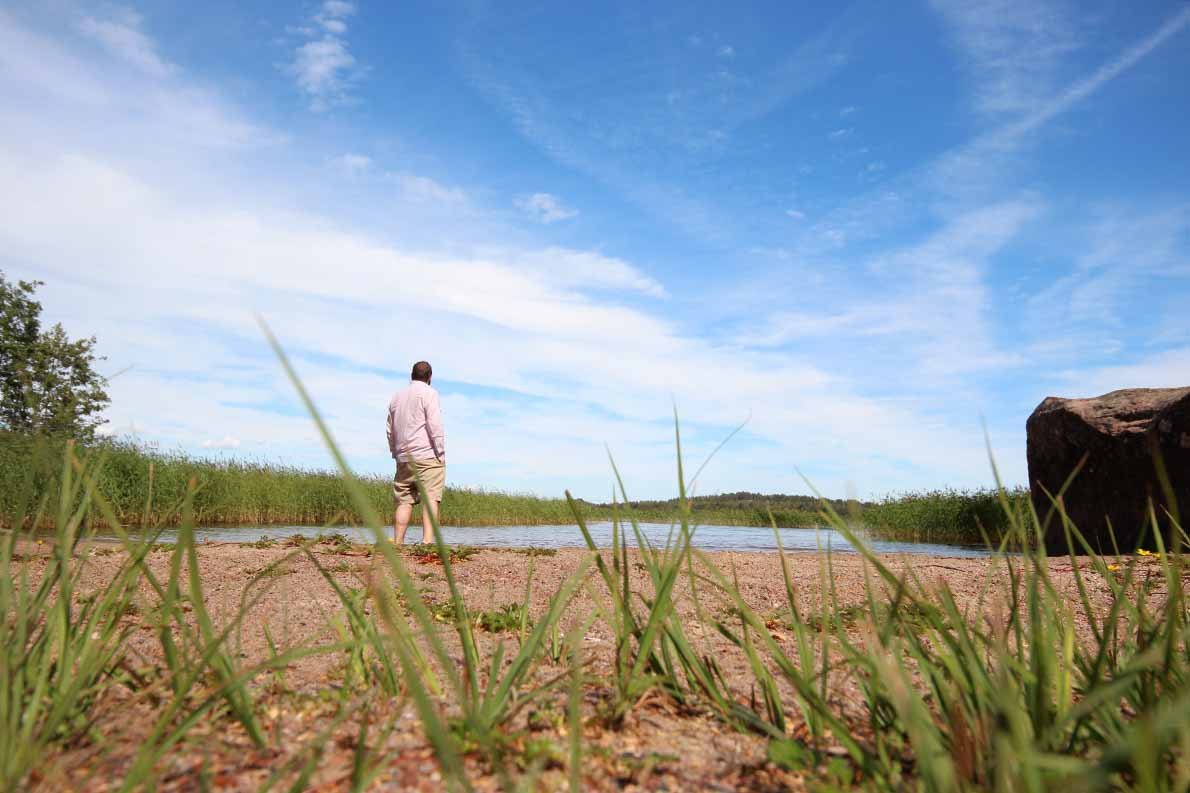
pixel 433 479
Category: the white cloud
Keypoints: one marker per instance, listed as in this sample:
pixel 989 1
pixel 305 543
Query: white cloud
pixel 545 208
pixel 352 165
pixel 796 214
pixel 226 442
pixel 1116 259
pixel 1012 48
pixel 726 51
pixel 783 327
pixel 589 270
pixel 924 309
pixel 324 66
pixel 1084 88
pixel 615 140
pixel 422 189
pixel 1169 369
pixel 121 35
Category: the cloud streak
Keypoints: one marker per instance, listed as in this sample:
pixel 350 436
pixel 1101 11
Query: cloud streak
pixel 323 66
pixel 121 35
pixel 545 208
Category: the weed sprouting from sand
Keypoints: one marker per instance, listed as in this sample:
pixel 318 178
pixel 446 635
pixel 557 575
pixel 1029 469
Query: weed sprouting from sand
pixel 428 554
pixel 509 618
pixel 535 551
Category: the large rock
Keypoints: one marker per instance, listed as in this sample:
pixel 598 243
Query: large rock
pixel 1118 433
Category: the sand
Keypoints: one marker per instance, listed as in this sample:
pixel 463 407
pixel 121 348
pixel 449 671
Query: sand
pixel 659 746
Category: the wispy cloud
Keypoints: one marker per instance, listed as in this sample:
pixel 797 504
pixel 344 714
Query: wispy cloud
pixel 637 139
pixel 352 165
pixel 323 66
pixel 923 311
pixel 1168 369
pixel 423 189
pixel 1087 86
pixel 1115 258
pixel 56 80
pixel 974 173
pixel 1012 49
pixel 590 270
pixel 545 208
pixel 120 34
pixel 226 442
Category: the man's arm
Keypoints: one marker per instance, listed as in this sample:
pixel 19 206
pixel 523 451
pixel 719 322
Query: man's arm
pixel 391 432
pixel 434 426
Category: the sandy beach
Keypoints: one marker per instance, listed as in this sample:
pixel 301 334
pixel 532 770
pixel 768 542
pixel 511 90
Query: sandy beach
pixel 659 746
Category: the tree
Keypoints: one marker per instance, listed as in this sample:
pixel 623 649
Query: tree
pixel 48 383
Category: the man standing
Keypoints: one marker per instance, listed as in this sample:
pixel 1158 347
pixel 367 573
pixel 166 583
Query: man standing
pixel 417 443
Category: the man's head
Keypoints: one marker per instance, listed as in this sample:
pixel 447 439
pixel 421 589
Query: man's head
pixel 422 371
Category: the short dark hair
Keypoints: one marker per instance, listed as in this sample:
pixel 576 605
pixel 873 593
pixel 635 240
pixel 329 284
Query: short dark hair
pixel 421 371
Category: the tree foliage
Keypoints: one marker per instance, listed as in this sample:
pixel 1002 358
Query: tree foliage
pixel 48 383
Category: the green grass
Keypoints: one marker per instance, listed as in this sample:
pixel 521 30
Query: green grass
pixel 946 516
pixel 237 492
pixel 1029 687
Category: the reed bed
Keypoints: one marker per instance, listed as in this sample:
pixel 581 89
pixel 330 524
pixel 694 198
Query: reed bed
pixel 1026 688
pixel 245 493
pixel 237 492
pixel 968 517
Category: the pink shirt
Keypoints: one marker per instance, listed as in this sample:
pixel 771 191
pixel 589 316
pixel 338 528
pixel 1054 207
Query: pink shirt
pixel 414 424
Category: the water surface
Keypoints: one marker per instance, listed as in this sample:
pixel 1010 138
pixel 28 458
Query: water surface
pixel 709 538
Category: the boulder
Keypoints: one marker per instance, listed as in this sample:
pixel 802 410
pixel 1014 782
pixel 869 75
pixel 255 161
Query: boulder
pixel 1119 435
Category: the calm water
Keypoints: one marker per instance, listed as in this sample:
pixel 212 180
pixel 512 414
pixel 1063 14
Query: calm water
pixel 710 538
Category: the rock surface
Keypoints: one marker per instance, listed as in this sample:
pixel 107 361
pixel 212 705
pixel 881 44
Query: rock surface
pixel 1118 434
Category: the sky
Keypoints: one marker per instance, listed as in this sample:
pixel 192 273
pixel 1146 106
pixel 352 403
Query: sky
pixel 871 236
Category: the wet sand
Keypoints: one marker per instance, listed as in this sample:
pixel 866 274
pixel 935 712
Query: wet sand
pixel 660 745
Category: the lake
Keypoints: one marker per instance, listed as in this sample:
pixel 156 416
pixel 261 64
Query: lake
pixel 709 538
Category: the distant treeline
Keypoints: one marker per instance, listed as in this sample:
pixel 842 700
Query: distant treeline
pixel 748 509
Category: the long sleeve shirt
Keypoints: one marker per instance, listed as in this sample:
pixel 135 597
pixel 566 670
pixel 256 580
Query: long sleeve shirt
pixel 414 425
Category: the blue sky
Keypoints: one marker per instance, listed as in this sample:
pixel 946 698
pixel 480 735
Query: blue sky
pixel 868 230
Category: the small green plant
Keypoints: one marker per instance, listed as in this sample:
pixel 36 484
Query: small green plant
pixel 509 618
pixel 336 542
pixel 536 551
pixel 428 554
pixel 265 541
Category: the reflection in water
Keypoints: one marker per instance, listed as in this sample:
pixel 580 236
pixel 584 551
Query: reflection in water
pixel 709 538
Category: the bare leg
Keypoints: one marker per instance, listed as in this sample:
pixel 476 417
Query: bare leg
pixel 427 528
pixel 401 522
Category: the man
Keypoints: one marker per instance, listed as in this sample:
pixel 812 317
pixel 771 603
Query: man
pixel 417 443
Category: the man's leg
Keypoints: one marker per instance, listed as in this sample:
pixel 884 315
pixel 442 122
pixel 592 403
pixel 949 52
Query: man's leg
pixel 401 521
pixel 427 528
